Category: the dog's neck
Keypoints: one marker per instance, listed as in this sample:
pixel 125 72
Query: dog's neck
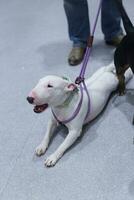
pixel 69 98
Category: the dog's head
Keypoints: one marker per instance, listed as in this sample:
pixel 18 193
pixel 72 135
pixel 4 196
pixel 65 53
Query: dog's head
pixel 50 91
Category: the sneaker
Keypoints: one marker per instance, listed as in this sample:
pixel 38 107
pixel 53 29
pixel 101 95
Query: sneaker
pixel 115 41
pixel 76 55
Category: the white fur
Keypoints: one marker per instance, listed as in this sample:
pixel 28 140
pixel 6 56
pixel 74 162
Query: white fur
pixel 100 85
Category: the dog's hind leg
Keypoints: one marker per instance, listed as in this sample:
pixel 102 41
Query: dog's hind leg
pixel 124 77
pixel 121 86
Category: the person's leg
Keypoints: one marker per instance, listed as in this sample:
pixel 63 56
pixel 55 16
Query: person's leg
pixel 110 20
pixel 78 21
pixel 78 28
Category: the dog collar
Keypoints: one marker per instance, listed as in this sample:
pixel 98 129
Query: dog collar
pixel 65 78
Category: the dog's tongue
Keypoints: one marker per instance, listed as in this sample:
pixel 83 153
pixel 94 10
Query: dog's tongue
pixel 40 108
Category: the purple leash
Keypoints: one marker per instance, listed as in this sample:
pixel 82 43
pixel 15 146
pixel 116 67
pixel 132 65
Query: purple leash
pixel 80 80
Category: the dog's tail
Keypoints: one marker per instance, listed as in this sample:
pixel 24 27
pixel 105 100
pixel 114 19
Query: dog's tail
pixel 126 21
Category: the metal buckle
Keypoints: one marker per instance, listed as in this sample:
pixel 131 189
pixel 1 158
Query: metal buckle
pixel 79 80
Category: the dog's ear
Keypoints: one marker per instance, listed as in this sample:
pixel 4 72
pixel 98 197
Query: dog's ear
pixel 71 87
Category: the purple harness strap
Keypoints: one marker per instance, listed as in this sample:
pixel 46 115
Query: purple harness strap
pixel 80 79
pixel 75 113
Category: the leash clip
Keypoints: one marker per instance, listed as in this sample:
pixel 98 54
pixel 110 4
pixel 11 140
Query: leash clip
pixel 79 79
pixel 90 41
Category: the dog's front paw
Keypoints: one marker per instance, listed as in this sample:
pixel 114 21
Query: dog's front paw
pixel 51 160
pixel 40 150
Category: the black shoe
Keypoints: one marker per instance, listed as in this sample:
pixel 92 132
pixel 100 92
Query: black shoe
pixel 76 56
pixel 115 41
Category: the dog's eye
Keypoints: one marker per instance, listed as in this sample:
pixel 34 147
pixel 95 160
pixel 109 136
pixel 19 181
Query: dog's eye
pixel 50 86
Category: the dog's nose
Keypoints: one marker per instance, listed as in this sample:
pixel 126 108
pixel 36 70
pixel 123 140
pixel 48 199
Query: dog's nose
pixel 30 99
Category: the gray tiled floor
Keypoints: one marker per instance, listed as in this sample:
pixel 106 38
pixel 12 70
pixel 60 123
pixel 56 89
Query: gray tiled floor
pixel 100 166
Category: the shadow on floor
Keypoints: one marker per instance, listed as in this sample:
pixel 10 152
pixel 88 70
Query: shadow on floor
pixel 103 51
pixel 55 54
pixel 121 102
pixel 131 188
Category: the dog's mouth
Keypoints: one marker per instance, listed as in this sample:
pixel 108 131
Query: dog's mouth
pixel 40 108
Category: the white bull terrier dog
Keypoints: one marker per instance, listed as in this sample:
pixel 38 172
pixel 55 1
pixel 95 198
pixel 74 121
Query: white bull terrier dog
pixel 63 98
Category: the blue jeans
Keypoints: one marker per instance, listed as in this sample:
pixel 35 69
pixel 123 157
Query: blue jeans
pixel 78 20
